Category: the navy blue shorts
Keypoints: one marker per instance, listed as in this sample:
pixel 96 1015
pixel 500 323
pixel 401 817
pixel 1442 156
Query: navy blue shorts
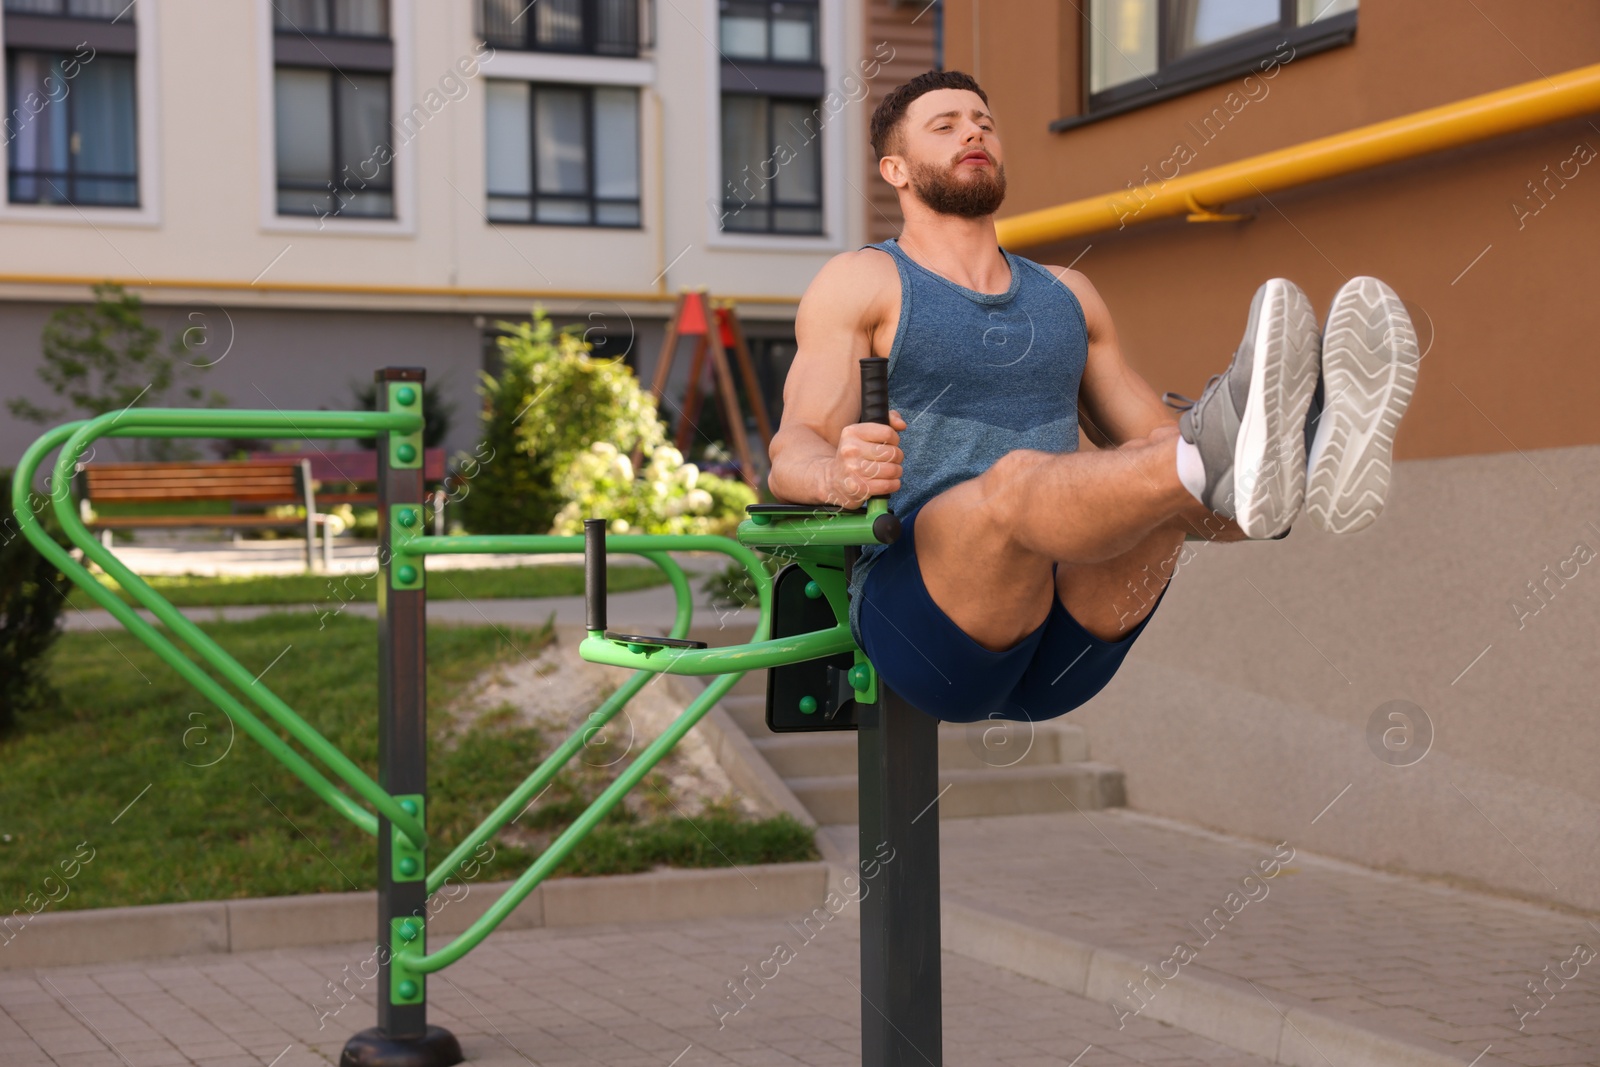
pixel 931 661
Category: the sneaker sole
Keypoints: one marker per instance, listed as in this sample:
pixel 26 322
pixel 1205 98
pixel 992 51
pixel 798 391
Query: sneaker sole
pixel 1369 369
pixel 1269 459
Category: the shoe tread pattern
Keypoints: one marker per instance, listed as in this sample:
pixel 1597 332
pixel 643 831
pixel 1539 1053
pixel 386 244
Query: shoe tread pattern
pixel 1370 372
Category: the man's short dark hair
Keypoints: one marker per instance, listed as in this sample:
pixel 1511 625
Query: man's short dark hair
pixel 886 119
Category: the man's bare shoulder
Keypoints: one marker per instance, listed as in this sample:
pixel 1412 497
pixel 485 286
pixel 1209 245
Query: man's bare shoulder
pixel 857 282
pixel 1075 280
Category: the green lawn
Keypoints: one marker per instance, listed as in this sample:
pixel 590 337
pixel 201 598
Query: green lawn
pixel 137 773
pixel 555 579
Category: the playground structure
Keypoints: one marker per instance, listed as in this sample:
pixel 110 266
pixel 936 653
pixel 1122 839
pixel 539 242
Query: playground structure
pixel 818 679
pixel 717 331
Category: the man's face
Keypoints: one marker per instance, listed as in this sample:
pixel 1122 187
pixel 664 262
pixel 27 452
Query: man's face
pixel 952 154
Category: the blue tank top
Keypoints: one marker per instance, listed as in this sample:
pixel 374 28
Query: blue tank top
pixel 976 375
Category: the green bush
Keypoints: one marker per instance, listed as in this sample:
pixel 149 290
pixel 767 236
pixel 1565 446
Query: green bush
pixel 32 595
pixel 559 427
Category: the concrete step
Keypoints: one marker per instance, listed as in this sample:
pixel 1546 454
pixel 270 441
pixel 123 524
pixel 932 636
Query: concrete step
pixel 749 711
pixel 979 746
pixel 1087 786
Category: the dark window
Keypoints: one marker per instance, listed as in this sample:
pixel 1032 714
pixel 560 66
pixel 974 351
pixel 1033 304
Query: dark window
pixel 72 129
pixel 332 18
pixel 563 154
pixel 333 156
pixel 596 27
pixel 1141 51
pixel 331 108
pixel 771 164
pixel 769 32
pixel 106 10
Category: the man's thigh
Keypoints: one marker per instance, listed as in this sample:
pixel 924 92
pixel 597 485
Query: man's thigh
pixel 925 656
pixel 973 570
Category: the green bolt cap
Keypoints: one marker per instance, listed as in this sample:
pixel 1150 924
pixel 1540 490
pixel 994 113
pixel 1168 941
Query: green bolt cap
pixel 406 395
pixel 407 517
pixel 407 989
pixel 408 865
pixel 860 677
pixel 808 705
pixel 408 806
pixel 813 590
pixel 761 520
pixel 406 452
pixel 410 930
pixel 407 574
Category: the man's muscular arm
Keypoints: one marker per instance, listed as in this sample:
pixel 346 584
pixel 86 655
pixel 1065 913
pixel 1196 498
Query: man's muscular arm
pixel 821 454
pixel 1114 400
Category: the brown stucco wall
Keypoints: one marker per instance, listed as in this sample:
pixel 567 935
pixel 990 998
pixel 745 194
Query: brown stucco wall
pixel 1513 339
pixel 903 33
pixel 1254 698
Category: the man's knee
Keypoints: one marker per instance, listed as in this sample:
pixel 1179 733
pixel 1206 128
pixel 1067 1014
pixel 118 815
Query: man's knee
pixel 1006 488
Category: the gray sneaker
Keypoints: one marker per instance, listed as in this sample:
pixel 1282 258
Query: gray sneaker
pixel 1249 424
pixel 1369 371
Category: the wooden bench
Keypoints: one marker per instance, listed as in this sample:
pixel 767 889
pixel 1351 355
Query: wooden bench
pixel 249 485
pixel 352 477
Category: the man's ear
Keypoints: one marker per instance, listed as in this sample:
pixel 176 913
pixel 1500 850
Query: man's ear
pixel 893 170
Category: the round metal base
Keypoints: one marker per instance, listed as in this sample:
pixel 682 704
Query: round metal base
pixel 373 1048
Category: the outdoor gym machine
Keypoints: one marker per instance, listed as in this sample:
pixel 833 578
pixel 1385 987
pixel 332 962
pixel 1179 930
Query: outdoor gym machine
pixel 818 680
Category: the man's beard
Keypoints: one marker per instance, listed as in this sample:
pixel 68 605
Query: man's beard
pixel 944 192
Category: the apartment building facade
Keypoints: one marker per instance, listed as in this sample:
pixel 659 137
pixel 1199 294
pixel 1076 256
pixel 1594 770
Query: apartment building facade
pixel 1418 695
pixel 304 190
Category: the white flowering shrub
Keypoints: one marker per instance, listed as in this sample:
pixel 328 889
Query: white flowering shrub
pixel 667 496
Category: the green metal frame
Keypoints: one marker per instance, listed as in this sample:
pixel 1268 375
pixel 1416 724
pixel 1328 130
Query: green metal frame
pixel 811 539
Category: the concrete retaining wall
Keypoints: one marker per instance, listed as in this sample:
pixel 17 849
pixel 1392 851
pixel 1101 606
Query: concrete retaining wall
pixel 1262 689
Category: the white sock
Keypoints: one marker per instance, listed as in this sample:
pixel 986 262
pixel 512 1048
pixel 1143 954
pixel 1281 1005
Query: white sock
pixel 1191 469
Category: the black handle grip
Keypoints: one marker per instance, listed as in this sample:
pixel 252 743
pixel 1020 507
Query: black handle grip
pixel 875 408
pixel 875 390
pixel 594 574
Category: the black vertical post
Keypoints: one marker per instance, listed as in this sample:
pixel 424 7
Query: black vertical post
pixel 402 1036
pixel 898 766
pixel 898 776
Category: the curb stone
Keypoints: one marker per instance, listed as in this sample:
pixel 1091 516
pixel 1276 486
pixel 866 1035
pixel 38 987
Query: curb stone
pixel 1285 1030
pixel 151 931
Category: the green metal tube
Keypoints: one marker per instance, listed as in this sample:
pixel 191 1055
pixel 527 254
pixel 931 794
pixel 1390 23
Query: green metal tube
pixel 755 656
pixel 21 505
pixel 552 765
pixel 562 846
pixel 216 422
pixel 535 783
pixel 850 530
pixel 213 654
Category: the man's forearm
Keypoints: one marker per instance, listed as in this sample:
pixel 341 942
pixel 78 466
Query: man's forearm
pixel 799 467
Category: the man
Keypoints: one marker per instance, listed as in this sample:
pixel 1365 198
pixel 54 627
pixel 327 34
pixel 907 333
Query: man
pixel 1006 595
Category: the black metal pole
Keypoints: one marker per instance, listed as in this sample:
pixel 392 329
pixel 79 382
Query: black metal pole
pixel 402 1037
pixel 898 765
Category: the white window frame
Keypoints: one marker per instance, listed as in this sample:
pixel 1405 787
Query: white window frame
pixel 832 32
pixel 147 79
pixel 571 70
pixel 404 167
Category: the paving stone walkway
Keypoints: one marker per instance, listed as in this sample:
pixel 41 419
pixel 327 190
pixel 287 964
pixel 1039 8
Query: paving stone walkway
pixel 1389 953
pixel 619 996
